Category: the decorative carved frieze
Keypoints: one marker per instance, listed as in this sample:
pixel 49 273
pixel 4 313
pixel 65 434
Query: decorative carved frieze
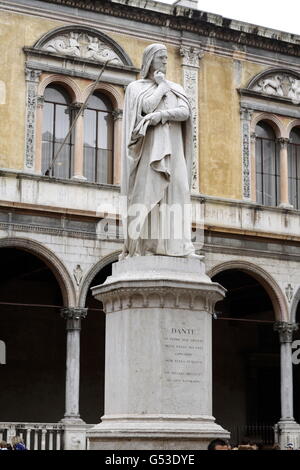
pixel 284 85
pixel 246 115
pixel 157 297
pixel 83 45
pixel 32 78
pixel 190 65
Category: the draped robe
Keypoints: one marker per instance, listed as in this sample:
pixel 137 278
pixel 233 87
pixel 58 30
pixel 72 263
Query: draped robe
pixel 156 170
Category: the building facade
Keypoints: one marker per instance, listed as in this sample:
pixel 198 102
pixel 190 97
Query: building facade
pixel 60 215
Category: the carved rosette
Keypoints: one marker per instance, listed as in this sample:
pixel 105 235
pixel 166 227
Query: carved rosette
pixel 285 331
pixel 190 68
pixel 32 79
pixel 246 115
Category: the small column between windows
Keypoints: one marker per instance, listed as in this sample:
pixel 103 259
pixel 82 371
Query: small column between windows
pixel 118 117
pixel 284 188
pixel 38 140
pixel 78 144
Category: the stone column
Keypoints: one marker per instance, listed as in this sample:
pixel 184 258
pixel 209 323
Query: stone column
pixel 32 81
pixel 247 162
pixel 117 116
pixel 288 429
pixel 39 136
pixel 158 359
pixel 78 144
pixel 253 167
pixel 284 188
pixel 190 69
pixel 74 435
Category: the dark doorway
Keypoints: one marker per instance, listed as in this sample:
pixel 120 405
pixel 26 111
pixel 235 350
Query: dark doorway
pixel 92 355
pixel 33 378
pixel 246 359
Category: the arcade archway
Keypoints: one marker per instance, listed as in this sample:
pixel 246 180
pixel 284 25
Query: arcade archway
pixel 246 359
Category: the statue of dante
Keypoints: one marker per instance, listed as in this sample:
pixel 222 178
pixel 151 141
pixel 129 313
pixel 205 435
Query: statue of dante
pixel 156 162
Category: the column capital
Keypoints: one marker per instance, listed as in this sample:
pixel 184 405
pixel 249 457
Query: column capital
pixel 253 137
pixel 285 331
pixel 73 315
pixel 40 102
pixel 191 55
pixel 246 113
pixel 32 75
pixel 283 141
pixel 117 114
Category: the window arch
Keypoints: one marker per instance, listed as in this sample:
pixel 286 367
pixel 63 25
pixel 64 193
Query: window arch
pixel 294 167
pixel 98 139
pixel 267 165
pixel 57 116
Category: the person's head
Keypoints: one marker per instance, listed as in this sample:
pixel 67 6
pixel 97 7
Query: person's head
pixel 289 446
pixel 218 444
pixel 154 59
pixel 3 445
pixel 17 440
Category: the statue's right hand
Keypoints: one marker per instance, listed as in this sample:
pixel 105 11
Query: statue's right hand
pixel 158 77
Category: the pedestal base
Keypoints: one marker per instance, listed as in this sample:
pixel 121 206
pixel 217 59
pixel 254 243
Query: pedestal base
pixel 150 433
pixel 287 431
pixel 158 370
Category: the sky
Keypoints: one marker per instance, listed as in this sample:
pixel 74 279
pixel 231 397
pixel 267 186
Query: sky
pixel 283 15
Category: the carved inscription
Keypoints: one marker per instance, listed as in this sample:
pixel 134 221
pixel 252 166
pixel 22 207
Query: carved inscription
pixel 183 353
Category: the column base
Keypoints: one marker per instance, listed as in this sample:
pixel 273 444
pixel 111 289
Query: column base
pixel 154 432
pixel 79 178
pixel 74 433
pixel 288 431
pixel 286 205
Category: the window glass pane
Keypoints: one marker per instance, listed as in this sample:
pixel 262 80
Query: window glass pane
pixel 295 135
pixel 90 128
pixel 104 131
pixel 56 94
pixel 48 114
pixel 99 102
pixel 61 167
pixel 47 153
pixel 89 164
pixel 62 122
pixel 104 166
pixel 264 130
pixel 267 165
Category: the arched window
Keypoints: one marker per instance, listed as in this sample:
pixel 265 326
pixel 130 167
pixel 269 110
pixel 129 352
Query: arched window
pixel 56 124
pixel 267 165
pixel 294 167
pixel 98 140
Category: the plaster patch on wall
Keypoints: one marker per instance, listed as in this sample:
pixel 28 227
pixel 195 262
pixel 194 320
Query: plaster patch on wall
pixel 2 92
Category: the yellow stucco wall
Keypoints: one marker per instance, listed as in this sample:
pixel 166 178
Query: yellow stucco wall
pixel 219 111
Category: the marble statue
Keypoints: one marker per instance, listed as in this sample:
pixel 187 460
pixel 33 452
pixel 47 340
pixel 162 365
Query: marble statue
pixel 156 162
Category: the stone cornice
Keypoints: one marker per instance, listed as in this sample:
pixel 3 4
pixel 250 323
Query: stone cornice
pixel 195 21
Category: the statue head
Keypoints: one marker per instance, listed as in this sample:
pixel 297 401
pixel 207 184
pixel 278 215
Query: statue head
pixel 154 57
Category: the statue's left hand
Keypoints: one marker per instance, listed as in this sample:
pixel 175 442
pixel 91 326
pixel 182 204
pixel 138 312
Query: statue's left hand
pixel 154 118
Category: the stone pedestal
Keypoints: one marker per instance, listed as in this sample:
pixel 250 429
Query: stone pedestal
pixel 158 371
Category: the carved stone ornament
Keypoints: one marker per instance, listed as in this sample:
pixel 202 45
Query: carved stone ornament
pixel 285 331
pixel 280 84
pixel 78 273
pixel 289 292
pixel 82 45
